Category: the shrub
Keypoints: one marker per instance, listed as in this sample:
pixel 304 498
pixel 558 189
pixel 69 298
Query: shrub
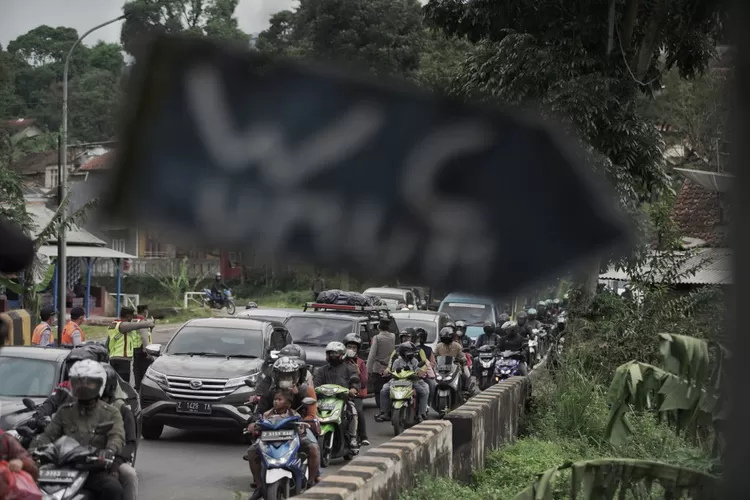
pixel 429 488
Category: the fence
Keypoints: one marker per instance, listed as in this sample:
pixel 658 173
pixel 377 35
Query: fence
pixel 159 267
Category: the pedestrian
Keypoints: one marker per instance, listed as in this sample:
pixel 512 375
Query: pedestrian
pixel 42 335
pixel 121 337
pixel 72 335
pixel 141 359
pixel 318 285
pixel 383 344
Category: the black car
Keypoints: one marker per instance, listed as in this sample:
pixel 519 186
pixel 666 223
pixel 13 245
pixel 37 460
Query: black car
pixel 27 372
pixel 328 323
pixel 432 322
pixel 198 378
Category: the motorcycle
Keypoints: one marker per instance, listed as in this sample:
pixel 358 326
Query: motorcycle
pixel 508 365
pixel 403 400
pixel 208 300
pixel 448 394
pixel 486 369
pixel 534 353
pixel 65 466
pixel 332 400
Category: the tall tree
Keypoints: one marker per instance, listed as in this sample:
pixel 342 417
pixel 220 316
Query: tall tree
pixel 147 18
pixel 107 56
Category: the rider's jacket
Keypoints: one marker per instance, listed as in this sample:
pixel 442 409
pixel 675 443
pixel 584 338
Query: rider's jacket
pixel 79 422
pixel 344 374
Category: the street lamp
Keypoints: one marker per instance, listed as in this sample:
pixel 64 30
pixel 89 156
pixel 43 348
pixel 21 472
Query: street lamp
pixel 62 268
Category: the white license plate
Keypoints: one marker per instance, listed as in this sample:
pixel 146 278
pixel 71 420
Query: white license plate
pixel 196 407
pixel 327 406
pixel 276 435
pixel 57 475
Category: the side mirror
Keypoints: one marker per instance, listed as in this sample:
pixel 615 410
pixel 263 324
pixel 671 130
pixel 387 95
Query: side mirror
pixel 308 401
pixel 153 349
pixel 103 428
pixel 29 403
pixel 249 382
pixel 244 410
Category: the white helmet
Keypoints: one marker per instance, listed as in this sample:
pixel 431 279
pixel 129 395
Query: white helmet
pixel 87 380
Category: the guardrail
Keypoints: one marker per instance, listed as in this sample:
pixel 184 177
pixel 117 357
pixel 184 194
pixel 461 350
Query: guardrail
pixel 128 299
pixel 191 296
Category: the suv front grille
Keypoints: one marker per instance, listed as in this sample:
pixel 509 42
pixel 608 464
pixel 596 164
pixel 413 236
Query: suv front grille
pixel 208 389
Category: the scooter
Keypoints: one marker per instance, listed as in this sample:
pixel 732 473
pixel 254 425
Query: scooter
pixel 65 466
pixel 507 366
pixel 208 300
pixel 486 369
pixel 403 400
pixel 448 394
pixel 332 400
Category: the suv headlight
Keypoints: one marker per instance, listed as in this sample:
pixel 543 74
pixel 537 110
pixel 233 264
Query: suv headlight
pixel 234 383
pixel 159 378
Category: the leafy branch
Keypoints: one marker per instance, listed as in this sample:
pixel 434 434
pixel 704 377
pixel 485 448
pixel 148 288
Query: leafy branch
pixel 177 281
pixel 610 478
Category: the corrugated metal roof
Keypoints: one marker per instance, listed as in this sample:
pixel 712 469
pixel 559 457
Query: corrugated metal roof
pixel 41 216
pixel 86 251
pixel 714 268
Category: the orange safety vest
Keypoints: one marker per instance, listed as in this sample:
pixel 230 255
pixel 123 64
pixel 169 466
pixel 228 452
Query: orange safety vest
pixel 67 333
pixel 36 337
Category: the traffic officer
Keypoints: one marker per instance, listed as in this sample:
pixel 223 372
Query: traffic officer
pixel 141 360
pixel 42 335
pixel 72 335
pixel 121 338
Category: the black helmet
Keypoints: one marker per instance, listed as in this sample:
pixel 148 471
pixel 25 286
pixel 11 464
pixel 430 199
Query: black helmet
pixel 352 338
pixel 489 327
pixel 446 335
pixel 94 352
pixel 110 386
pixel 421 335
pixel 293 351
pixel 521 317
pixel 407 350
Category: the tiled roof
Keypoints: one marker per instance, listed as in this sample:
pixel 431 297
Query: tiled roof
pixel 697 213
pixel 101 162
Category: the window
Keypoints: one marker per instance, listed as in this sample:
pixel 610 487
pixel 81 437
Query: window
pixel 119 245
pixel 219 342
pixel 25 377
pixel 318 331
pixel 50 177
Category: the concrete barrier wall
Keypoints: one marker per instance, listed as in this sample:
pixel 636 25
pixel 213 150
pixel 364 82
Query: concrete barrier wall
pixel 20 327
pixel 385 472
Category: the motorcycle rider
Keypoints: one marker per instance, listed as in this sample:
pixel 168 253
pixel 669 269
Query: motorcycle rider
pixel 463 339
pixel 353 343
pixel 383 344
pixel 217 290
pixel 406 361
pixel 425 352
pixel 515 341
pixel 541 308
pixel 79 421
pixel 449 347
pixel 501 321
pixel 488 336
pixel 286 374
pixel 406 335
pixel 534 324
pixel 335 371
pixel 122 467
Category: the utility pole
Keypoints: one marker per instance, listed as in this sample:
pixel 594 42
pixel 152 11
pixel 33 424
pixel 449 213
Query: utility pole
pixel 62 269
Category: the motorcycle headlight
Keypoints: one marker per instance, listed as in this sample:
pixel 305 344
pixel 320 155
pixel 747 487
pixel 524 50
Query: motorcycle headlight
pixel 159 378
pixel 233 383
pixel 277 461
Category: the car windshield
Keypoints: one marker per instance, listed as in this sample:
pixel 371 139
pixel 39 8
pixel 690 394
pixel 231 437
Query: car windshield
pixel 211 341
pixel 318 331
pixel 25 377
pixel 472 314
pixel 428 326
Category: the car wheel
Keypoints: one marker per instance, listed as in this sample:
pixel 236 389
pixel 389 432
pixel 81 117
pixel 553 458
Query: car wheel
pixel 151 431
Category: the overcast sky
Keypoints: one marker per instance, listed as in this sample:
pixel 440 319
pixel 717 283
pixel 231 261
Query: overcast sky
pixel 19 16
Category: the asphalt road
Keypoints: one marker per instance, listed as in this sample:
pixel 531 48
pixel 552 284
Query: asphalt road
pixel 191 465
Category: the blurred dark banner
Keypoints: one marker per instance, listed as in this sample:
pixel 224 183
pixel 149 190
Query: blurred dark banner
pixel 240 151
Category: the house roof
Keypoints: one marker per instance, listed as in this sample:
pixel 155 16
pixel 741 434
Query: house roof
pixel 697 213
pixel 101 162
pixel 35 163
pixel 19 123
pixel 714 267
pixel 41 217
pixel 717 182
pixel 85 251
